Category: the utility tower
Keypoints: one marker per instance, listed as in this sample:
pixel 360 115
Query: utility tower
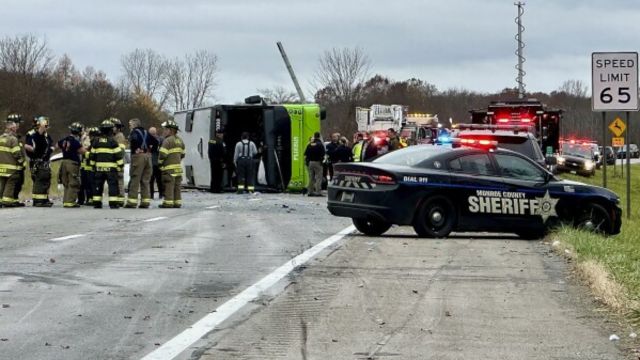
pixel 519 51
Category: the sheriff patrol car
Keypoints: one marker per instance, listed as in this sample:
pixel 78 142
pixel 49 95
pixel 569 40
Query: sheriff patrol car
pixel 472 188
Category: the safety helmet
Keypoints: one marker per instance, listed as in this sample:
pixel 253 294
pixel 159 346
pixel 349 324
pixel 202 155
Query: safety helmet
pixel 76 128
pixel 116 122
pixel 170 124
pixel 106 124
pixel 94 131
pixel 41 120
pixel 14 118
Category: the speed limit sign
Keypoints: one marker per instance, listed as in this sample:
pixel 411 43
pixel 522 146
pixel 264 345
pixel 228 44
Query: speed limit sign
pixel 614 81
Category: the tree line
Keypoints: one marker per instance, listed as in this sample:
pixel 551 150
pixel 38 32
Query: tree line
pixel 33 81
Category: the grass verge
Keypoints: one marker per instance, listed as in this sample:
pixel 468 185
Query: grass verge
pixel 609 265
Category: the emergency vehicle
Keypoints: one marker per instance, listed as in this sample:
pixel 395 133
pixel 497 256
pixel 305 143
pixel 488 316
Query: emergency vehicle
pixel 476 187
pixel 544 122
pixel 281 133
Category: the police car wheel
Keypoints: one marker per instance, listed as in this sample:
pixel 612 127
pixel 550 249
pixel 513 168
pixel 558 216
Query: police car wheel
pixel 436 218
pixel 371 227
pixel 594 218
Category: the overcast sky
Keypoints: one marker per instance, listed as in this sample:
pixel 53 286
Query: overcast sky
pixel 454 43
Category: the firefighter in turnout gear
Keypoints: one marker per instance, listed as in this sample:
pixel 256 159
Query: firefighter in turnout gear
pixel 86 171
pixel 17 118
pixel 11 163
pixel 39 146
pixel 243 158
pixel 141 144
pixel 107 157
pixel 72 150
pixel 171 154
pixel 119 137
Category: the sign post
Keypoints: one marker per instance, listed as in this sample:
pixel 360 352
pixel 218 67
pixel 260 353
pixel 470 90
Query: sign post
pixel 614 86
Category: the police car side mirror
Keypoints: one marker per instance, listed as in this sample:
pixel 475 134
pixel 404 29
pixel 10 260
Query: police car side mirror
pixel 551 160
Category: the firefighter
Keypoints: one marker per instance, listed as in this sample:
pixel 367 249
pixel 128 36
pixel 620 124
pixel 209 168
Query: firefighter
pixel 72 150
pixel 171 154
pixel 11 162
pixel 17 118
pixel 243 155
pixel 107 157
pixel 119 137
pixel 39 146
pixel 357 147
pixel 217 152
pixel 86 170
pixel 141 145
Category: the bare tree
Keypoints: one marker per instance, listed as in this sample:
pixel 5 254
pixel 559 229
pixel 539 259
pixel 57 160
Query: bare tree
pixel 574 88
pixel 145 73
pixel 190 82
pixel 342 72
pixel 25 55
pixel 279 95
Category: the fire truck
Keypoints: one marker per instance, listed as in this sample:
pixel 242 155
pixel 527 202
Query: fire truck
pixel 544 122
pixel 416 128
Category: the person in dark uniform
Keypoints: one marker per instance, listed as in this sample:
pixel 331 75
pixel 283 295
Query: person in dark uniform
pixel 72 150
pixel 343 152
pixel 39 146
pixel 217 152
pixel 156 174
pixel 313 155
pixel 243 157
pixel 107 158
pixel 331 159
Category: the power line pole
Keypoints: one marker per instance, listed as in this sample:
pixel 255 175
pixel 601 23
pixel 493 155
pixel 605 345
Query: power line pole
pixel 519 51
pixel 291 73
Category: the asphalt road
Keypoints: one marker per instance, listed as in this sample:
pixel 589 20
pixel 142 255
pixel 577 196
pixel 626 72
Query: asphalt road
pixel 123 285
pixel 120 284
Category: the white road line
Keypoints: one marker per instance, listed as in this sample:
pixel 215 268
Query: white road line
pixel 67 237
pixel 213 207
pixel 182 341
pixel 155 219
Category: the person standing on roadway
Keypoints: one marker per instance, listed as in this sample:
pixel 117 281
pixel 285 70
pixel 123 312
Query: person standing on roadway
pixel 11 162
pixel 156 174
pixel 394 140
pixel 343 152
pixel 370 149
pixel 217 152
pixel 313 154
pixel 72 150
pixel 141 145
pixel 119 137
pixel 107 157
pixel 86 170
pixel 358 147
pixel 39 146
pixel 243 155
pixel 171 154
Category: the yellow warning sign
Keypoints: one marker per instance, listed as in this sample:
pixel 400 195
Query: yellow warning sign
pixel 617 141
pixel 617 127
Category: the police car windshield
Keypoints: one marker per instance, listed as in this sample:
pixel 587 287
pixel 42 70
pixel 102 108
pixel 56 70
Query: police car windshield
pixel 576 150
pixel 517 144
pixel 410 156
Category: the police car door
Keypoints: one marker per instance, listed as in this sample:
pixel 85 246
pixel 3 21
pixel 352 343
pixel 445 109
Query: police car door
pixel 475 182
pixel 526 201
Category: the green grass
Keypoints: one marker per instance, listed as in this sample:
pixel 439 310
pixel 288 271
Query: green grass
pixel 619 254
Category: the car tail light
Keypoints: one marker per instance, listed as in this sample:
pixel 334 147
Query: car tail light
pixel 383 179
pixel 525 120
pixel 503 120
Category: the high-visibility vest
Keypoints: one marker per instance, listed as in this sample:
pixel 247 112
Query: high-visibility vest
pixel 357 151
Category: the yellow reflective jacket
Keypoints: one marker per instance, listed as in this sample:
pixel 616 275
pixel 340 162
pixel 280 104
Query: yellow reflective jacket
pixel 11 157
pixel 171 154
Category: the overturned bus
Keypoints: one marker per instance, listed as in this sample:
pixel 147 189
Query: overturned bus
pixel 281 133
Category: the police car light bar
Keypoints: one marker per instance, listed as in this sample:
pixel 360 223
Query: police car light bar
pixel 494 128
pixel 476 143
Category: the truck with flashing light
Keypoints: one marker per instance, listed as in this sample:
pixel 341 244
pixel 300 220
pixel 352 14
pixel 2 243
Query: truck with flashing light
pixel 543 121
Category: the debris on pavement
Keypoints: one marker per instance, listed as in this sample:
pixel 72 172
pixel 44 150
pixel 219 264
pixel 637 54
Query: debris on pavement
pixel 4 306
pixel 52 260
pixel 614 337
pixel 447 313
pixel 633 335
